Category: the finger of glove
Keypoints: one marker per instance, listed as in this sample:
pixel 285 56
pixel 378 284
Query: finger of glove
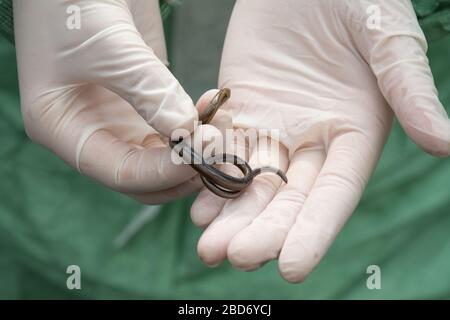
pixel 263 239
pixel 147 18
pixel 117 57
pixel 238 213
pixel 407 84
pixel 207 205
pixel 395 48
pixel 334 196
pixel 133 168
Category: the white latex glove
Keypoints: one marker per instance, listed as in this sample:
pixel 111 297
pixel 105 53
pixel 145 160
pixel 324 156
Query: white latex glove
pixel 95 95
pixel 313 70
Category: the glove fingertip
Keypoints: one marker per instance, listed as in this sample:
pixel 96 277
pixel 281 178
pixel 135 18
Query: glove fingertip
pixel 430 131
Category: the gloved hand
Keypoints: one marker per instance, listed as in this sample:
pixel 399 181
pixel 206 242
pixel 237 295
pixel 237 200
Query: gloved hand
pixel 96 92
pixel 329 79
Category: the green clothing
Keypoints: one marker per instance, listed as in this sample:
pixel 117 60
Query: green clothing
pixel 51 217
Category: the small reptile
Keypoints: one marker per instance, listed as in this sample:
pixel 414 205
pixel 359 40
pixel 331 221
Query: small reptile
pixel 218 182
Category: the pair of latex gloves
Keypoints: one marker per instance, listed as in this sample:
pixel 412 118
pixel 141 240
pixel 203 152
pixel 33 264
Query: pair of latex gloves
pixel 329 75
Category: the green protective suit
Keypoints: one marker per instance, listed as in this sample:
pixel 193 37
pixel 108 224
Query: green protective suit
pixel 51 217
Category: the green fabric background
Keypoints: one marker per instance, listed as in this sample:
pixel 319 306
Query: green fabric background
pixel 51 217
pixel 6 20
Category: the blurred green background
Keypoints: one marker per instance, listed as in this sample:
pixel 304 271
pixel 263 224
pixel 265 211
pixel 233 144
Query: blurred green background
pixel 51 217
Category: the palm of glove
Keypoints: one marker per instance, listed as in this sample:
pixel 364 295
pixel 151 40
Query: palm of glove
pixel 315 72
